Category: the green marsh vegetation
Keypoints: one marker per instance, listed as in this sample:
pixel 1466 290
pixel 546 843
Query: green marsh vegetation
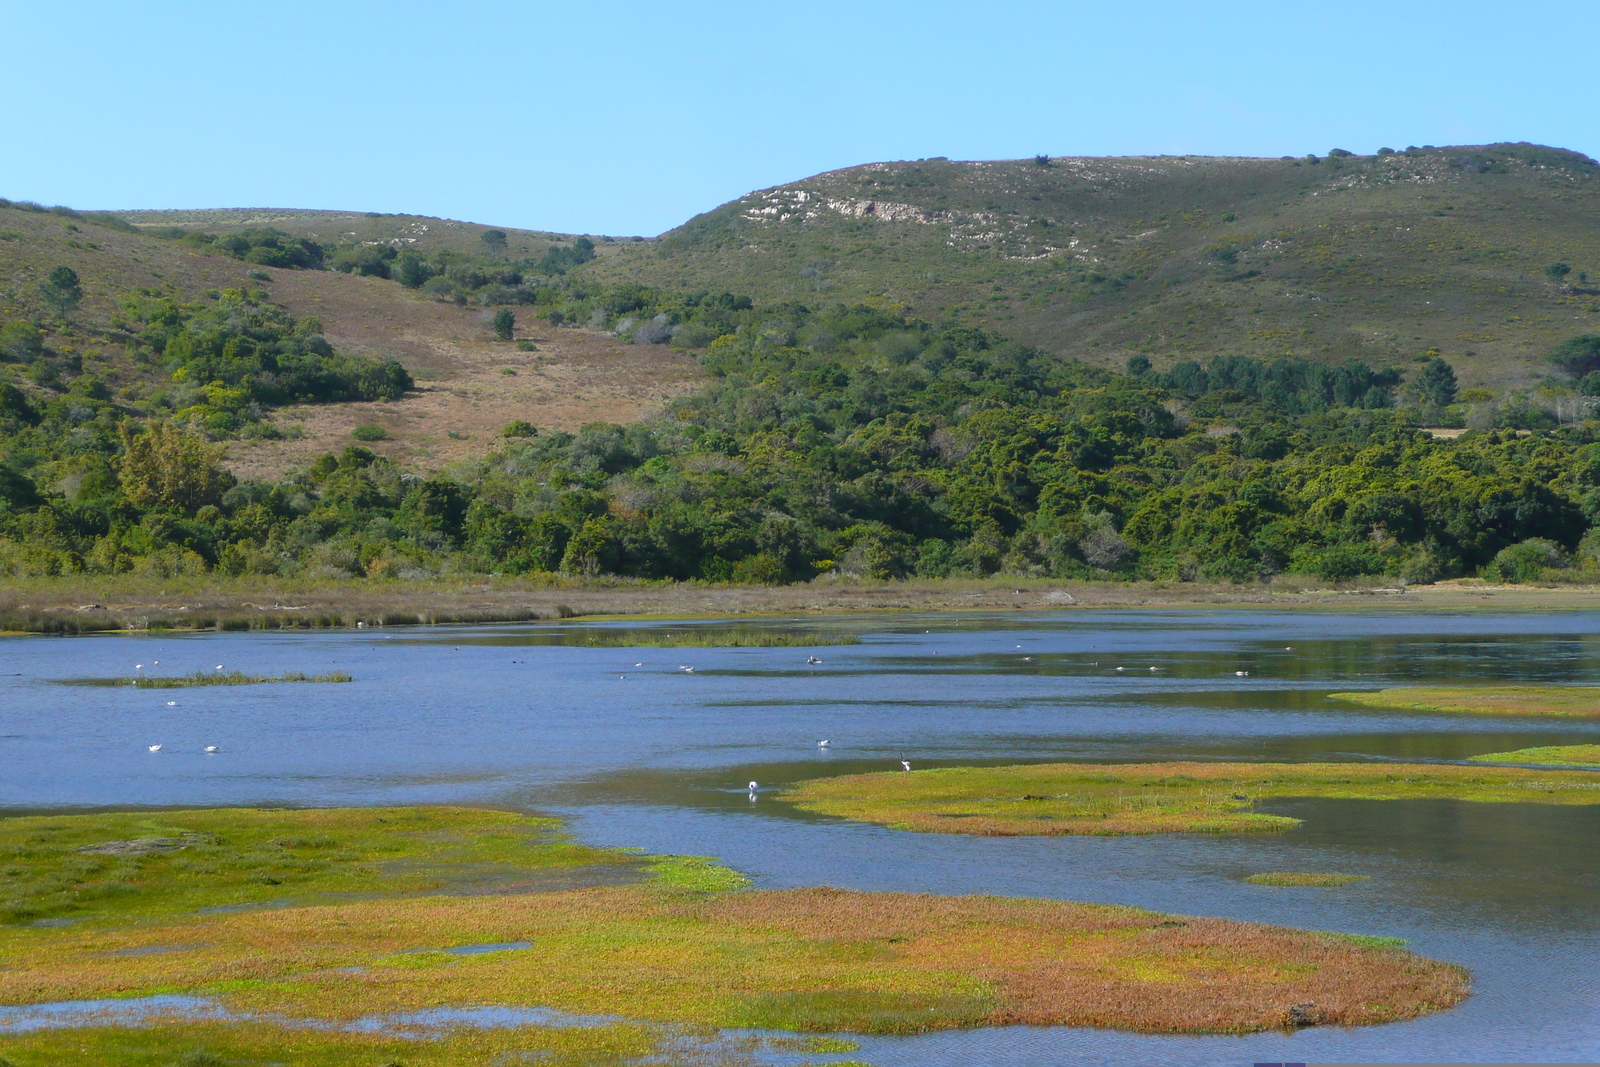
pixel 1310 879
pixel 1551 755
pixel 204 678
pixel 1556 701
pixel 328 917
pixel 1113 799
pixel 701 637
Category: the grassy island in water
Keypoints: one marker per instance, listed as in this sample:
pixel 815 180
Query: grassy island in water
pixel 300 928
pixel 1156 798
pixel 1574 701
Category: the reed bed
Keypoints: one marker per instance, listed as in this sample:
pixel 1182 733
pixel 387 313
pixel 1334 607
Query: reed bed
pixel 204 678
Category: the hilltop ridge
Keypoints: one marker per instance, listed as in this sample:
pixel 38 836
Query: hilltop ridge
pixel 1378 258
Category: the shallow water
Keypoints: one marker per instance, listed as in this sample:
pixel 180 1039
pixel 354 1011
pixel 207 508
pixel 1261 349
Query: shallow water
pixel 635 751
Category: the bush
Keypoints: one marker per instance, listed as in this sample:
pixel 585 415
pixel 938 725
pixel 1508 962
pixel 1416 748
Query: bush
pixel 519 428
pixel 369 431
pixel 21 341
pixel 1527 561
pixel 505 324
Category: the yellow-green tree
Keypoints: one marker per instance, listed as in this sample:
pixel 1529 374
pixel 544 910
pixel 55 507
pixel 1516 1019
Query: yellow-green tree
pixel 167 468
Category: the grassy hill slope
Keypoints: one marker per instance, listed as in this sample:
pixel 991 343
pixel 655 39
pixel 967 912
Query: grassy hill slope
pixel 337 228
pixel 470 384
pixel 1373 257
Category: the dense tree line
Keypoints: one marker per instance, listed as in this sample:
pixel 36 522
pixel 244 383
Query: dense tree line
pixel 838 439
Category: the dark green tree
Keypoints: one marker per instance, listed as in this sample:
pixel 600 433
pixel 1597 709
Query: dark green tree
pixel 1436 384
pixel 61 290
pixel 1557 271
pixel 1138 365
pixel 494 240
pixel 1578 356
pixel 505 324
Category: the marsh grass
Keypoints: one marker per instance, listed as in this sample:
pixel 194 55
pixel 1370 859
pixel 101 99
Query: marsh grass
pixel 1312 879
pixel 358 936
pixel 1550 756
pixel 1153 798
pixel 1563 701
pixel 702 637
pixel 203 678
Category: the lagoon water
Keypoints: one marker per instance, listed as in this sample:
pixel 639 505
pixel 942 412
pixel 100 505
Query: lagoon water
pixel 632 750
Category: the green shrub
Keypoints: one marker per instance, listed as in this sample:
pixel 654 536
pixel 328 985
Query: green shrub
pixel 1527 561
pixel 369 431
pixel 519 428
pixel 505 324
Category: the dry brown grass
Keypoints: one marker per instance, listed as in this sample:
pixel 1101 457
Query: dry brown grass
pixel 464 399
pixel 82 603
pixel 1155 798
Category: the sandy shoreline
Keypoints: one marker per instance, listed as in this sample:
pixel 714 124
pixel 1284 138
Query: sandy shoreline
pixel 80 605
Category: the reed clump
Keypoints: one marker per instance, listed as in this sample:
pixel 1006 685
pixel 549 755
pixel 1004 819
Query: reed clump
pixel 1311 879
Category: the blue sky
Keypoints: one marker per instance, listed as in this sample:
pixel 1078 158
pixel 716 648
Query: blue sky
pixel 625 118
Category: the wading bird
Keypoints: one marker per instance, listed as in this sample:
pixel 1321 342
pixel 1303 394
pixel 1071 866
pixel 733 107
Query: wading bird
pixel 155 748
pixel 213 749
pixel 906 764
pixel 824 744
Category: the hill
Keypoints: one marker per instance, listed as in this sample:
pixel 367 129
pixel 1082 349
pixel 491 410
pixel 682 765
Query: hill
pixel 1377 258
pixel 336 229
pixel 469 385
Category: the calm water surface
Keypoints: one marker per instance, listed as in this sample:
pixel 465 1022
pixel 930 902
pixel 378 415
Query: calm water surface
pixel 634 751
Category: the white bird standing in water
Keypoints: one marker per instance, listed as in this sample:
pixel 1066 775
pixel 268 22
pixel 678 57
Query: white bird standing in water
pixel 824 744
pixel 906 764
pixel 155 748
pixel 753 787
pixel 212 749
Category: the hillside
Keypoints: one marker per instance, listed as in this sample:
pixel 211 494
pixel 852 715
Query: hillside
pixel 1378 258
pixel 469 385
pixel 333 229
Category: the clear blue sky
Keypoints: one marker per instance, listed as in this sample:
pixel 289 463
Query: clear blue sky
pixel 603 116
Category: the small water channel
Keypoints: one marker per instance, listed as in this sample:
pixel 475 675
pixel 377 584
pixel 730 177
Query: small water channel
pixel 634 750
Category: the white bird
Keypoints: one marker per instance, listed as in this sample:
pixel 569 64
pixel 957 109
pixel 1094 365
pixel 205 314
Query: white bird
pixel 1029 659
pixel 213 749
pixel 219 666
pixel 1242 674
pixel 155 748
pixel 172 703
pixel 1155 668
pixel 906 764
pixel 1122 668
pixel 753 787
pixel 638 664
pixel 824 744
pixel 812 660
pixel 1288 648
pixel 138 666
pixel 621 677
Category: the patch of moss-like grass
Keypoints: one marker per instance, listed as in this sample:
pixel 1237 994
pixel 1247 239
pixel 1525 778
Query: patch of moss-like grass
pixel 202 678
pixel 1153 798
pixel 360 935
pixel 1560 701
pixel 1551 756
pixel 114 867
pixel 702 637
pixel 262 1044
pixel 1313 879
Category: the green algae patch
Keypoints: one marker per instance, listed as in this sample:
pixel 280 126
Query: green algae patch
pixel 1155 798
pixel 1550 756
pixel 1312 879
pixel 1557 701
pixel 204 678
pixel 367 919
